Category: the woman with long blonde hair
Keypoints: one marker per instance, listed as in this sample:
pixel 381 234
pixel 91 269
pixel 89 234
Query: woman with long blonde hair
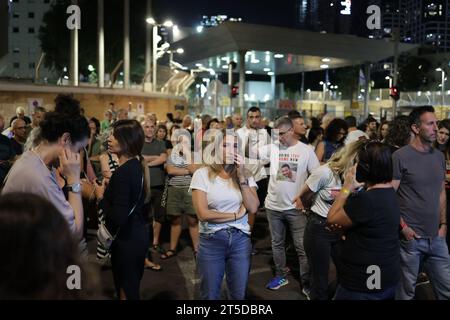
pixel 222 196
pixel 318 194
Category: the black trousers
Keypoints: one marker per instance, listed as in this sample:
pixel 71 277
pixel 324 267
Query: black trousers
pixel 320 244
pixel 262 191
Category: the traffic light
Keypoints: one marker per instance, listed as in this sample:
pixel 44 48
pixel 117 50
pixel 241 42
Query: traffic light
pixel 234 91
pixel 395 93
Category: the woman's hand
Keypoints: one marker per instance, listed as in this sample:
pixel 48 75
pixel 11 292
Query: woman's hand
pixel 100 190
pixel 239 161
pixel 350 182
pixel 242 211
pixel 298 203
pixel 70 165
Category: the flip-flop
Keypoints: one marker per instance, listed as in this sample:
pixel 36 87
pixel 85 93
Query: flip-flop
pixel 154 268
pixel 169 254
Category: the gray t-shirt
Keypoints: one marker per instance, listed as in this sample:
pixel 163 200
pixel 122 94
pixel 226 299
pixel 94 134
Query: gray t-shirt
pixel 157 174
pixel 421 176
pixel 29 174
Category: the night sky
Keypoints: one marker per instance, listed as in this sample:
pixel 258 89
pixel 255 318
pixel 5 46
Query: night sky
pixel 189 12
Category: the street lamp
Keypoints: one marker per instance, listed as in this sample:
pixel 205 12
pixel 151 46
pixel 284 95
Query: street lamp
pixel 157 51
pixel 442 84
pixel 173 64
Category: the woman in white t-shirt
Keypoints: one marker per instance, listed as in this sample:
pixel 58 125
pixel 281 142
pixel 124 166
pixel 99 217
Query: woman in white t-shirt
pixel 319 192
pixel 222 195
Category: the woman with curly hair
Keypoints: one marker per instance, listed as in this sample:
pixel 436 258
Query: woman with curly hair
pixel 334 137
pixel 399 133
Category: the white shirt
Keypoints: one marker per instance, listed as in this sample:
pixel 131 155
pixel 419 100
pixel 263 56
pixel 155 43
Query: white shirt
pixel 289 168
pixel 355 136
pixel 256 139
pixel 222 196
pixel 327 187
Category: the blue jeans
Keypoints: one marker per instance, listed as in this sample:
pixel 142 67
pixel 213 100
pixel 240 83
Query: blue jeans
pixel 297 223
pixel 226 251
pixel 434 254
pixel 345 294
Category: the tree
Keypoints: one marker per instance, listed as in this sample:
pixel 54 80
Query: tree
pixel 347 80
pixel 415 73
pixel 55 37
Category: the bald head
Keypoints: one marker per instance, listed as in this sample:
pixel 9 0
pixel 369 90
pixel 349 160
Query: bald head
pixel 19 129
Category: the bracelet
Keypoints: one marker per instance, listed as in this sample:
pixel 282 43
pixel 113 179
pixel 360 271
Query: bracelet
pixel 345 191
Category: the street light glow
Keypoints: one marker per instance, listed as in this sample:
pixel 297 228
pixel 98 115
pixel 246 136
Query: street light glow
pixel 266 69
pixel 324 66
pixel 168 24
pixel 278 56
pixel 180 50
pixel 271 73
pixel 150 20
pixel 199 29
pixel 438 69
pixel 248 72
pixel 326 60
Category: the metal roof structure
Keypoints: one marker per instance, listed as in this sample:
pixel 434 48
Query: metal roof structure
pixel 279 50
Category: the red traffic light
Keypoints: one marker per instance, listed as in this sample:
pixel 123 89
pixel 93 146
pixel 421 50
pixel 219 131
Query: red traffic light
pixel 395 93
pixel 234 91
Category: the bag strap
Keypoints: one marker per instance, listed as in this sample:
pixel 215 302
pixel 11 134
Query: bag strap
pixel 134 207
pixel 139 197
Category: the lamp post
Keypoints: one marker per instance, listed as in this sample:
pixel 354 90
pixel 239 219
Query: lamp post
pixel 442 84
pixel 156 50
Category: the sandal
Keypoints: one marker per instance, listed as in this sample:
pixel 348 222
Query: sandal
pixel 168 254
pixel 158 248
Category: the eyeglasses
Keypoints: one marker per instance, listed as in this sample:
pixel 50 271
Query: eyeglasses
pixel 283 133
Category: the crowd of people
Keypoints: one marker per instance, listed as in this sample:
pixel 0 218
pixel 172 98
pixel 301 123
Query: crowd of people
pixel 370 197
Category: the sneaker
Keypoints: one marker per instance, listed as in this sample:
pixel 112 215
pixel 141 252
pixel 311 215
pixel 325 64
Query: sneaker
pixel 306 292
pixel 277 282
pixel 422 279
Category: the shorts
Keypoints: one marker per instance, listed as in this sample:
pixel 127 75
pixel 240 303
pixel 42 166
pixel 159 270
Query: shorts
pixel 179 201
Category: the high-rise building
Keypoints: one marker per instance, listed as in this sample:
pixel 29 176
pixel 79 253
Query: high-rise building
pixel 331 16
pixel 308 14
pixel 25 19
pixel 214 21
pixel 429 23
pixel 4 27
pixel 418 21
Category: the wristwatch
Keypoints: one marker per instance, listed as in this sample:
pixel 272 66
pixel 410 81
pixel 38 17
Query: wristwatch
pixel 244 183
pixel 75 187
